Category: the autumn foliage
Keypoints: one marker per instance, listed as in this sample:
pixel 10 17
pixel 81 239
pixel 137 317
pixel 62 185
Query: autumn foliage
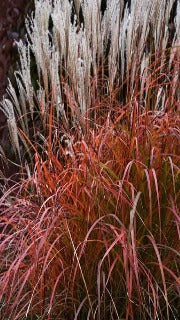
pixel 91 230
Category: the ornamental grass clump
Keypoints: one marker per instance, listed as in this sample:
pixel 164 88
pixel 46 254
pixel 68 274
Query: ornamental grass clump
pixel 76 52
pixel 91 230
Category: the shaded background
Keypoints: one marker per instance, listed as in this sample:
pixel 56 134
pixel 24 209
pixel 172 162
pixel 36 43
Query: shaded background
pixel 12 15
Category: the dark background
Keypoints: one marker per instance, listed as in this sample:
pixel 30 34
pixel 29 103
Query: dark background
pixel 12 13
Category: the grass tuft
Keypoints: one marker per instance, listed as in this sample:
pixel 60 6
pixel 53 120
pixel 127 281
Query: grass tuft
pixel 94 231
pixel 91 229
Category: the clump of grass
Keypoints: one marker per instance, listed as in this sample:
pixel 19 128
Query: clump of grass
pixel 75 53
pixel 92 231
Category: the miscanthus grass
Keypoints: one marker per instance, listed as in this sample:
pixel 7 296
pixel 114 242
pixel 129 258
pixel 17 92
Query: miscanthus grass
pixel 75 53
pixel 91 231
